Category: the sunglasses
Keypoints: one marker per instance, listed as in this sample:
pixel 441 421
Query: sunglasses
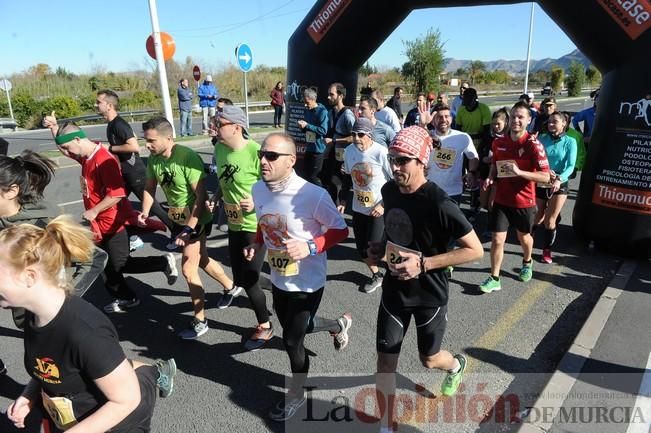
pixel 219 125
pixel 359 134
pixel 400 160
pixel 271 156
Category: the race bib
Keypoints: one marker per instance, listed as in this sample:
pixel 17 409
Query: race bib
pixel 444 157
pixel 60 411
pixel 501 168
pixel 179 215
pixel 339 153
pixel 83 186
pixel 280 262
pixel 310 137
pixel 365 198
pixel 393 254
pixel 233 213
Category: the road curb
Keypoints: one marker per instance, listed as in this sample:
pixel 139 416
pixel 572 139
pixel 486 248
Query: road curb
pixel 569 369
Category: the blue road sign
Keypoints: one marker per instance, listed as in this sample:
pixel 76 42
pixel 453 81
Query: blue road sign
pixel 244 57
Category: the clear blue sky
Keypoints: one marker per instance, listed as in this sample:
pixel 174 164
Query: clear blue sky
pixel 111 34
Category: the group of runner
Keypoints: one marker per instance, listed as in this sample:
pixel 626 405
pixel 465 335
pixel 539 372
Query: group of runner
pixel 409 231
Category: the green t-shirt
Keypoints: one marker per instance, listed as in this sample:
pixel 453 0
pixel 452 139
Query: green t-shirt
pixel 237 171
pixel 472 121
pixel 176 175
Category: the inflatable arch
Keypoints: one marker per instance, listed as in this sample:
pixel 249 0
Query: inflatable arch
pixel 613 208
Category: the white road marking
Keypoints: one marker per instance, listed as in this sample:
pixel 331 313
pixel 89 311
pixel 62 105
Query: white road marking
pixel 70 203
pixel 643 403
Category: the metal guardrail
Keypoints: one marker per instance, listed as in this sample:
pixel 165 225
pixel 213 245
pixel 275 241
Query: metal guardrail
pixel 150 112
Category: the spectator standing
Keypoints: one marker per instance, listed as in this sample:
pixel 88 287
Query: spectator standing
pixel 208 96
pixel 185 107
pixel 277 102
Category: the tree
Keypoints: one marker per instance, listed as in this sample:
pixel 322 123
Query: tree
pixel 367 69
pixel 461 72
pixel 40 70
pixel 593 76
pixel 426 61
pixel 557 79
pixel 575 79
pixel 475 69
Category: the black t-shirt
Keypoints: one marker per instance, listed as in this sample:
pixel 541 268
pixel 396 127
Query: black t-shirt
pixel 426 221
pixel 65 356
pixel 118 131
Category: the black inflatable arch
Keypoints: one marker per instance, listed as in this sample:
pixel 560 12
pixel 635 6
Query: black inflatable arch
pixel 614 204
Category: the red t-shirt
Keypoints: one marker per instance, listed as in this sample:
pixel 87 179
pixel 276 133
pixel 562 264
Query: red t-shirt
pixel 101 177
pixel 529 154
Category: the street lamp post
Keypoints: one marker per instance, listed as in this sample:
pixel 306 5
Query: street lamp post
pixel 526 75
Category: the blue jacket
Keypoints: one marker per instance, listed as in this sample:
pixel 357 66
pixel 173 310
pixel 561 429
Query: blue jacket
pixel 587 117
pixel 185 98
pixel 317 123
pixel 208 95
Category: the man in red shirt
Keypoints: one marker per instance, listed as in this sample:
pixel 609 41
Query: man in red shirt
pixel 107 211
pixel 519 162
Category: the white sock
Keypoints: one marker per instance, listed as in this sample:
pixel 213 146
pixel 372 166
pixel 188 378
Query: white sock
pixel 457 366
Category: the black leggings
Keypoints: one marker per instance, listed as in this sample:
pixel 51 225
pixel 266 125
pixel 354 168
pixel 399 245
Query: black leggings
pixel 296 313
pixel 312 167
pixel 116 246
pixel 246 274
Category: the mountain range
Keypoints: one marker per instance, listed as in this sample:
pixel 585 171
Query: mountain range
pixel 515 67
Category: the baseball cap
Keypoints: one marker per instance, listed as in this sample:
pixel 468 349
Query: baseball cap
pixel 209 78
pixel 233 114
pixel 549 100
pixel 363 125
pixel 414 141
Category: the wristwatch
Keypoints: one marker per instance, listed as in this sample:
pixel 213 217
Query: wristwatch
pixel 313 249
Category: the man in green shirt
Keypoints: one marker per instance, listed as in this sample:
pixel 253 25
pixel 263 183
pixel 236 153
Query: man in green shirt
pixel 179 172
pixel 238 168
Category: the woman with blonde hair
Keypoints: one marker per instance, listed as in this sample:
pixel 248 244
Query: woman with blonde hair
pixel 79 373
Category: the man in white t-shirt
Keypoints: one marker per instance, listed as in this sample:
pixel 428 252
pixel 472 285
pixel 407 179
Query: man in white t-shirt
pixel 385 114
pixel 297 222
pixel 366 162
pixel 446 161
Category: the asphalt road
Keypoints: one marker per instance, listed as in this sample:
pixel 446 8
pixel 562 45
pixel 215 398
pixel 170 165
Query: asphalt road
pixel 42 140
pixel 514 339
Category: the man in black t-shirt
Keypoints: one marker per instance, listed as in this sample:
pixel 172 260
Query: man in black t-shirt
pixel 420 221
pixel 124 145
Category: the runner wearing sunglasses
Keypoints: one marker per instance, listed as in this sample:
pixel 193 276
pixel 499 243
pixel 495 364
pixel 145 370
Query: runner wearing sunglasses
pixel 366 162
pixel 298 222
pixel 420 220
pixel 238 168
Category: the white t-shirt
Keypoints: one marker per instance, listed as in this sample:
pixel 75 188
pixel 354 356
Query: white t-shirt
pixel 388 116
pixel 370 171
pixel 301 211
pixel 446 163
